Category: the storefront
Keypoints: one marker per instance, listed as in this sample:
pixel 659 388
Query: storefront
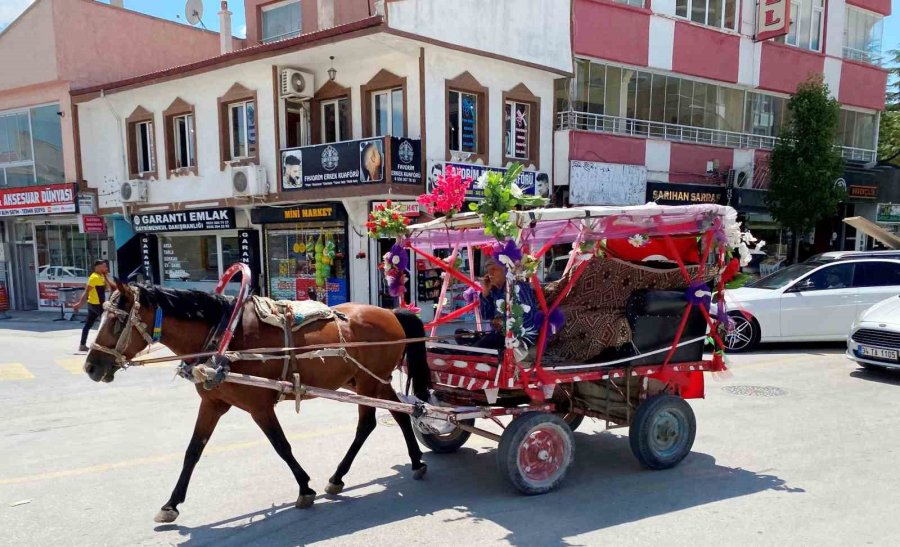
pixel 667 193
pixel 45 247
pixel 191 249
pixel 379 294
pixel 305 252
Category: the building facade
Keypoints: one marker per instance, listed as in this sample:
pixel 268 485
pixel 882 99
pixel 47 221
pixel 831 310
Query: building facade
pixel 676 101
pixel 42 58
pixel 275 154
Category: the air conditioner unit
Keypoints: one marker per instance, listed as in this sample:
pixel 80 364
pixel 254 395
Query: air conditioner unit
pixel 296 84
pixel 740 178
pixel 249 180
pixel 133 191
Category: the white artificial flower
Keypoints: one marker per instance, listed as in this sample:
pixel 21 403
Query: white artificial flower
pixel 480 181
pixel 638 240
pixel 526 308
pixel 506 261
pixel 515 191
pixel 395 259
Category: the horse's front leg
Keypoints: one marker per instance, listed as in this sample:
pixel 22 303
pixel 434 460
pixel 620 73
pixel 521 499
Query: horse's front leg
pixel 365 426
pixel 268 422
pixel 207 418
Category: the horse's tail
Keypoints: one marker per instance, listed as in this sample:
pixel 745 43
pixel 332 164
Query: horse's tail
pixel 416 363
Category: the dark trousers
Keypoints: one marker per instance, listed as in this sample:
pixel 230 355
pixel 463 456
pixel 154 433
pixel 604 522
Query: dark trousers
pixel 94 313
pixel 492 340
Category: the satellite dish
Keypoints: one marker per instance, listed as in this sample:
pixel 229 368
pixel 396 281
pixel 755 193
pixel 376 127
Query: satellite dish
pixel 193 11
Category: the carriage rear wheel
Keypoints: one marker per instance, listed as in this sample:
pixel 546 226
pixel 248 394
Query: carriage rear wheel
pixel 662 431
pixel 446 443
pixel 535 452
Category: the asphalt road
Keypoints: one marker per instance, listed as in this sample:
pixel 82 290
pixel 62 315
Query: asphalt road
pixel 811 461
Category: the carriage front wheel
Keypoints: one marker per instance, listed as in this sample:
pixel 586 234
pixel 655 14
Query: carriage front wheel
pixel 446 443
pixel 535 452
pixel 662 431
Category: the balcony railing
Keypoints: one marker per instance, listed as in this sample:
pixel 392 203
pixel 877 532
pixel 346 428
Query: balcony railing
pixel 599 123
pixel 863 56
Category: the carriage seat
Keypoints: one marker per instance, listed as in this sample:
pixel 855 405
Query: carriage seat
pixel 654 317
pixel 304 312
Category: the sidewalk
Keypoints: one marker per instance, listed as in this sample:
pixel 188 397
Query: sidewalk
pixel 42 321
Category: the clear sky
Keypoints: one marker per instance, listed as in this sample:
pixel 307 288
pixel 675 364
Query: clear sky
pixel 167 9
pixel 171 9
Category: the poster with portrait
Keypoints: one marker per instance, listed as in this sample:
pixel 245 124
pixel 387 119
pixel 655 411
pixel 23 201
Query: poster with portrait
pixel 371 160
pixel 291 169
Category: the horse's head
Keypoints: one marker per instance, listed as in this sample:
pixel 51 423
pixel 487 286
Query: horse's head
pixel 123 334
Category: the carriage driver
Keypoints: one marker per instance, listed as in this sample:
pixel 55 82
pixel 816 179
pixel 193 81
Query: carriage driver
pixel 494 289
pixel 95 294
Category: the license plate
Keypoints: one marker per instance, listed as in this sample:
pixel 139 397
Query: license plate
pixel 878 352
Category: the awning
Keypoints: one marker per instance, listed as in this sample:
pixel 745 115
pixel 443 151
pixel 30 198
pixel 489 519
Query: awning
pixel 873 230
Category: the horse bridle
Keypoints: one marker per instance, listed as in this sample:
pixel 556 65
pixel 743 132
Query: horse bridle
pixel 132 322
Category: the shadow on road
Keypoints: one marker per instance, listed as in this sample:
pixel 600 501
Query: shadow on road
pixel 882 376
pixel 605 487
pixel 41 326
pixel 805 348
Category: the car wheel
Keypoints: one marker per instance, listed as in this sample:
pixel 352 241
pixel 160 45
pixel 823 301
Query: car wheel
pixel 745 334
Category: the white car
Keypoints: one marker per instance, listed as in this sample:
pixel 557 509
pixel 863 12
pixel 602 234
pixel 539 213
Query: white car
pixel 814 301
pixel 874 340
pixel 61 272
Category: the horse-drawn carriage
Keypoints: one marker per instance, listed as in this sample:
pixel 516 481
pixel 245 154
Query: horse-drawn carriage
pixel 624 335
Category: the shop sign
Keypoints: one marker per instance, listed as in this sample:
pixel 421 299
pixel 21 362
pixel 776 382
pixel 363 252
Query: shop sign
pixel 49 295
pixel 298 288
pixel 406 161
pixel 248 243
pixel 773 18
pixel 87 204
pixel 862 192
pixel 408 208
pixel 300 213
pixel 595 183
pixel 887 213
pixel 666 193
pixel 149 252
pixel 38 200
pixel 334 164
pixel 91 224
pixel 527 181
pixel 185 221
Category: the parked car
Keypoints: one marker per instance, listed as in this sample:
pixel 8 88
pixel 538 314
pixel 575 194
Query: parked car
pixel 810 302
pixel 60 272
pixel 833 256
pixel 874 340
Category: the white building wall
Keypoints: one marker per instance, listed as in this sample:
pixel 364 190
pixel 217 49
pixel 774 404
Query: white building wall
pixel 537 31
pixel 662 42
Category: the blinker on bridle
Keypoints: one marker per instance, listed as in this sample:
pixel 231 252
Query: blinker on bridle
pixel 133 323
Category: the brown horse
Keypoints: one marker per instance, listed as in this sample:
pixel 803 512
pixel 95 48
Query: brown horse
pixel 188 317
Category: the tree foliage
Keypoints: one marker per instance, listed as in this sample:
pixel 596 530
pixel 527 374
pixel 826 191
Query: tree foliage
pixel 889 135
pixel 805 163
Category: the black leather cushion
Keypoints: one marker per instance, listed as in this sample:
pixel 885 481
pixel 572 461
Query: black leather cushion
pixel 654 317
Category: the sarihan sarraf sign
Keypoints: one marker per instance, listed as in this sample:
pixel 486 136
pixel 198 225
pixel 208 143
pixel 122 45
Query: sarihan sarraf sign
pixel 185 221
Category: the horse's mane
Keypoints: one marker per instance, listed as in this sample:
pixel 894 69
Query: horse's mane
pixel 187 305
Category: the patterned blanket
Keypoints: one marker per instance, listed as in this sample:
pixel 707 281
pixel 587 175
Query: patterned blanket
pixel 273 312
pixel 595 308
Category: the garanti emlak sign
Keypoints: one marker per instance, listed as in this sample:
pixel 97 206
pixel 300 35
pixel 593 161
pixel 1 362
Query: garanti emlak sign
pixel 185 221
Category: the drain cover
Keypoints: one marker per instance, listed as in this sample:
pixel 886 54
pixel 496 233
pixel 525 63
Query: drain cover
pixel 755 391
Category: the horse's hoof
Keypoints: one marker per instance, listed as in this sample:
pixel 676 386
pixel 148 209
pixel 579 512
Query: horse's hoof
pixel 305 501
pixel 334 489
pixel 166 515
pixel 419 474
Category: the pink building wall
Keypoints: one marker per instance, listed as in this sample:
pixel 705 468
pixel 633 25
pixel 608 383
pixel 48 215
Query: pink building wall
pixel 611 31
pixel 862 85
pixel 705 52
pixel 783 67
pixel 878 6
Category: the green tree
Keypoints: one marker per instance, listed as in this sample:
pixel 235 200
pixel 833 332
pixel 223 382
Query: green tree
pixel 806 163
pixel 889 135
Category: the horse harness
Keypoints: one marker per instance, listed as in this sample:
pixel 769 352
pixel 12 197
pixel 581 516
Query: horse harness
pixel 132 321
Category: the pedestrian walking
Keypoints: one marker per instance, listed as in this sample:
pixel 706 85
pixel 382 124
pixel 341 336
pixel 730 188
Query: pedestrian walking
pixel 95 295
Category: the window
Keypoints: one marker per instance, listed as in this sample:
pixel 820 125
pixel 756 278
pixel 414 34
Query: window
pixel 635 3
pixel 242 129
pixel 713 13
pixel 516 121
pixel 862 35
pixel 31 147
pixel 857 129
pixel 877 274
pixel 281 21
pixel 807 20
pixel 183 129
pixel 335 120
pixel 463 122
pixel 765 114
pixel 387 110
pixel 143 135
pixel 838 276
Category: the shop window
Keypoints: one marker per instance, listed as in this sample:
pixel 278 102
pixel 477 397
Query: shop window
pixel 807 25
pixel 65 258
pixel 330 109
pixel 281 21
pixel 189 261
pixel 180 132
pixel 238 127
pixel 384 105
pixel 141 144
pixel 713 13
pixel 292 266
pixel 862 35
pixel 467 119
pixel 521 126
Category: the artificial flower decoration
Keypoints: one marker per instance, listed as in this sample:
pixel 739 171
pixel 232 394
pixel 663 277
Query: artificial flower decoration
pixel 387 221
pixel 731 270
pixel 698 293
pixel 448 195
pixel 638 240
pixel 507 254
pixel 395 264
pixel 471 295
pixel 556 320
pixel 502 195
